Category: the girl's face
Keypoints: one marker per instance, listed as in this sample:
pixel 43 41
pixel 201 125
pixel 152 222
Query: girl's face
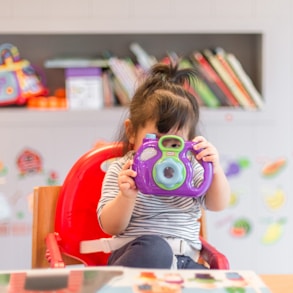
pixel 136 139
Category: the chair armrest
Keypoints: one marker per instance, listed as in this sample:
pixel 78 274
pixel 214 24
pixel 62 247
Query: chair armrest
pixel 53 253
pixel 213 257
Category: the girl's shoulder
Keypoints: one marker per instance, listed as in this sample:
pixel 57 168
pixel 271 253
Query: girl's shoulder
pixel 120 161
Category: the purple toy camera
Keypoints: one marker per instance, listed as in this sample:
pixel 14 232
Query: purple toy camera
pixel 164 165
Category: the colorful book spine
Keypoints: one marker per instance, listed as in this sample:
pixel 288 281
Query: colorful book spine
pixel 209 73
pixel 213 86
pixel 221 55
pixel 125 72
pixel 224 75
pixel 76 62
pixel 145 60
pixel 199 88
pixel 108 91
pixel 120 92
pixel 206 94
pixel 245 79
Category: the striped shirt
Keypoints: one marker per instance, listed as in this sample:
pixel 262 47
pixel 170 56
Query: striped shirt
pixel 166 216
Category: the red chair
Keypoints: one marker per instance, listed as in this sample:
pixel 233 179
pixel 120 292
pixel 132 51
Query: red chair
pixel 57 239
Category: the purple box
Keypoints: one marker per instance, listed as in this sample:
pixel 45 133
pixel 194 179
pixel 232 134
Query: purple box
pixel 84 89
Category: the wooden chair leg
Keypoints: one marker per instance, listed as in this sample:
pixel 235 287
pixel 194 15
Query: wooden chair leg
pixel 44 207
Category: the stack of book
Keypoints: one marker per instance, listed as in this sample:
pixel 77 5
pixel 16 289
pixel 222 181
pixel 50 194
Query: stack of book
pixel 224 76
pixel 221 81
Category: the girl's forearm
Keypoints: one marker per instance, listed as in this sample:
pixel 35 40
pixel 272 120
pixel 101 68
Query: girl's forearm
pixel 218 195
pixel 116 214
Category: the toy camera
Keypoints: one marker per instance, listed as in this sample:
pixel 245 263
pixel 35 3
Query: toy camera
pixel 164 165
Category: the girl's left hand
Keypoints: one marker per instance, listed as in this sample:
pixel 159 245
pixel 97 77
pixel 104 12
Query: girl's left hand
pixel 207 152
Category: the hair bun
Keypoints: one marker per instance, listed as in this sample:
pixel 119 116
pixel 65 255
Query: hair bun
pixel 171 72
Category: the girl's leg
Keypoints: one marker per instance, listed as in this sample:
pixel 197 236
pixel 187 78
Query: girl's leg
pixel 148 251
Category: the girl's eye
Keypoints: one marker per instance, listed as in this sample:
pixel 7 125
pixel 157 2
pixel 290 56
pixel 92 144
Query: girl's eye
pixel 171 143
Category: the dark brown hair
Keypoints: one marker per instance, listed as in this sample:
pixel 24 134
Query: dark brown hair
pixel 163 97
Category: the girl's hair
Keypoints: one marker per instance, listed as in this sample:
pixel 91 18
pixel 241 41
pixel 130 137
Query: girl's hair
pixel 163 96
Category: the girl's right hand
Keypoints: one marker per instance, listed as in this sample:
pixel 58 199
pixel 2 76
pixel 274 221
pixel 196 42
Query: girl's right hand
pixel 126 181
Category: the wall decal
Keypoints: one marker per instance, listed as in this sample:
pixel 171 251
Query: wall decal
pixel 274 231
pixel 29 162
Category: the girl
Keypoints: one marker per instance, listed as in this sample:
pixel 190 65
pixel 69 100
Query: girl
pixel 159 231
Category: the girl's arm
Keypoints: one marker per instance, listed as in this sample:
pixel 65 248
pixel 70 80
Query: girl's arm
pixel 116 214
pixel 218 194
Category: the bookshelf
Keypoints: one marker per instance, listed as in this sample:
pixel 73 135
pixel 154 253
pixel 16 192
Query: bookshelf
pixel 246 46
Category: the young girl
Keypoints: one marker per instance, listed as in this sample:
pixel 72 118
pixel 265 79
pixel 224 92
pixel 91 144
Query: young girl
pixel 159 231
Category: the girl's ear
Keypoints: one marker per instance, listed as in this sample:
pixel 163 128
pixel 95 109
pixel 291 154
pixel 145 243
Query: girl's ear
pixel 129 131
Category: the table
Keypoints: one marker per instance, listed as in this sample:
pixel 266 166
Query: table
pixel 279 283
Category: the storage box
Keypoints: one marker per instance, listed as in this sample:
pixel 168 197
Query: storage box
pixel 84 89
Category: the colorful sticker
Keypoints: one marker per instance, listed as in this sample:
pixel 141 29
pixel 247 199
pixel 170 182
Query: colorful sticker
pixel 148 282
pixel 274 232
pixel 240 228
pixel 205 280
pixel 53 178
pixel 234 199
pixel 3 173
pixel 29 162
pixel 235 167
pixel 272 169
pixel 275 200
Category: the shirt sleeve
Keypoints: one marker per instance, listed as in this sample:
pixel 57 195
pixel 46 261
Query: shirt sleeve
pixel 110 187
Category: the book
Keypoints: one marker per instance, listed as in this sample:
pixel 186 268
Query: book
pixel 145 60
pixel 224 75
pixel 207 79
pixel 122 279
pixel 120 93
pixel 126 73
pixel 245 79
pixel 184 63
pixel 198 87
pixel 206 94
pixel 221 55
pixel 75 62
pixel 208 73
pixel 108 89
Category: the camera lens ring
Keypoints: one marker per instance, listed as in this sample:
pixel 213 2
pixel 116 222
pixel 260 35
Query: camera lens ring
pixel 169 182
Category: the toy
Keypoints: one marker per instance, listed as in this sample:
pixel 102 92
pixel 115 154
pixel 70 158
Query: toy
pixel 164 165
pixel 18 78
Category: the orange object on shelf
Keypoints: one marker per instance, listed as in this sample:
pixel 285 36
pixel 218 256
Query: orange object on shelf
pixel 56 101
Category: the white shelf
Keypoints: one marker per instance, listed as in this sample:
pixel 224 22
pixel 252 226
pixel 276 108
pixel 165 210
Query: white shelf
pixel 10 117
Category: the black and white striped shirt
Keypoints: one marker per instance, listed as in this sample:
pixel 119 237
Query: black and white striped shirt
pixel 167 216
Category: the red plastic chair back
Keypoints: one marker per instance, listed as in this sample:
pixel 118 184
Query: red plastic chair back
pixel 76 216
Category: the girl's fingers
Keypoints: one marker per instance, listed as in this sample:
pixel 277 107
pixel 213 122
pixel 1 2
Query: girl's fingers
pixel 127 165
pixel 125 178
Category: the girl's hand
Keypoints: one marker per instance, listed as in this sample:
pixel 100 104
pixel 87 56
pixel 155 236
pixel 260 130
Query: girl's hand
pixel 218 195
pixel 207 152
pixel 126 180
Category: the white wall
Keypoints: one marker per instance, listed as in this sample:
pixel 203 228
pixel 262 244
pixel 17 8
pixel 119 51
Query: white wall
pixel 261 136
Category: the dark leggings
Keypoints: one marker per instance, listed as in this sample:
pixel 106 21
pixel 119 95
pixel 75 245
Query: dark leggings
pixel 150 251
